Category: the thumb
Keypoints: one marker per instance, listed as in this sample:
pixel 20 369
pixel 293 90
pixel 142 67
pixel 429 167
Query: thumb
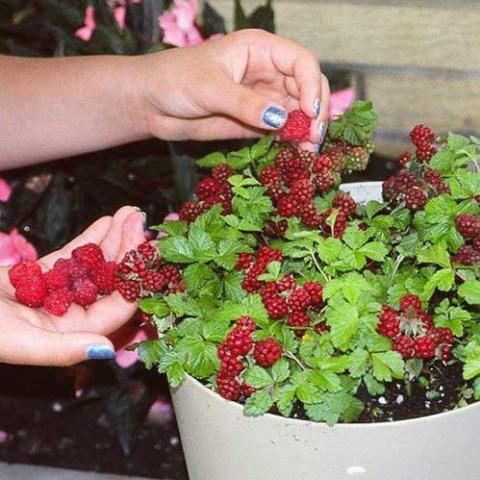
pixel 249 107
pixel 36 346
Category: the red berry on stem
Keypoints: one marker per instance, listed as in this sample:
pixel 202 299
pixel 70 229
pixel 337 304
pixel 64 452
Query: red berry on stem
pixel 345 203
pixel 405 346
pixel 467 225
pixel 410 300
pixel 388 322
pixel 425 347
pixel 267 352
pixel 421 135
pixel 415 199
pixel 296 128
pixel 287 206
pixel 228 387
pixel 425 153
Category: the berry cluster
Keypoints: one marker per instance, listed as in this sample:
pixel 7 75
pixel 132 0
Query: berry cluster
pixel 469 228
pixel 231 353
pixel 415 183
pixel 413 332
pixel 141 274
pixel 210 191
pixel 79 279
pixel 292 183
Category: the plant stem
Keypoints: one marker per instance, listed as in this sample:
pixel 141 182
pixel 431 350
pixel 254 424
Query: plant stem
pixel 319 268
pixel 295 359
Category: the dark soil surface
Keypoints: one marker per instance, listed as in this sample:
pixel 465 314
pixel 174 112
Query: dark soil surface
pixel 43 430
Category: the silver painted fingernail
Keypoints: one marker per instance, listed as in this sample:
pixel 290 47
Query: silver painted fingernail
pixel 322 131
pixel 316 107
pixel 99 352
pixel 274 117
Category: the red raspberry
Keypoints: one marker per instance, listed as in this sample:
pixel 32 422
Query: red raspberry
pixel 324 181
pixel 239 341
pixel 388 322
pixel 445 351
pixel 250 284
pixel 231 366
pixel 246 323
pixel 31 293
pixel 148 251
pixel 223 352
pixel 297 127
pixel 410 300
pixel 55 280
pixel 285 284
pixel 425 153
pixel 267 352
pixel 389 189
pixel 345 203
pixel 299 300
pixel 171 274
pixel 415 199
pixel 189 211
pixel 405 180
pixel 303 190
pixel 84 292
pixel 57 302
pixel 404 158
pixel 433 177
pixel 467 225
pixel 268 291
pixel 427 320
pixel 207 188
pixel 228 387
pixel 244 260
pixel 287 206
pixel 309 215
pixel 247 390
pixel 270 175
pixel 421 135
pixel 299 319
pixel 23 271
pixel 276 307
pixel 405 346
pixel 222 172
pixel 71 268
pixel 154 281
pixel 321 327
pixel 443 188
pixel 322 164
pixel 339 226
pixel 104 277
pixel 467 255
pixel 275 191
pixel 129 289
pixel 269 254
pixel 441 335
pixel 315 290
pixel 89 255
pixel 425 347
pixel 285 155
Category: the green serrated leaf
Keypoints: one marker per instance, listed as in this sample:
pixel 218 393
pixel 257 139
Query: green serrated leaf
pixel 258 404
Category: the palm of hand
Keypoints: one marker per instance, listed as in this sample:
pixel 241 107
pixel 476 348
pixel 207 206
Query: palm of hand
pixel 32 336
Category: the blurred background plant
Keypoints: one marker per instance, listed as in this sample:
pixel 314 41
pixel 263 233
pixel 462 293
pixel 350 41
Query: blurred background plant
pixel 43 207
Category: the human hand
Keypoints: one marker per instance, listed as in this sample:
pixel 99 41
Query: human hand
pixel 237 86
pixel 33 337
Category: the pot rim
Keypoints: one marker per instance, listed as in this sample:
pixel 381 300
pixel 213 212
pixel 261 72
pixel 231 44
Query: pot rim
pixel 343 426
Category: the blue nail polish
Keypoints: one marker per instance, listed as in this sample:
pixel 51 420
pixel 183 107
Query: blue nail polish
pixel 322 131
pixel 274 117
pixel 99 352
pixel 316 107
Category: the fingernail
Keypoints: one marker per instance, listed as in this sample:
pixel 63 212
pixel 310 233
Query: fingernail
pixel 317 148
pixel 316 107
pixel 322 131
pixel 137 209
pixel 99 352
pixel 274 117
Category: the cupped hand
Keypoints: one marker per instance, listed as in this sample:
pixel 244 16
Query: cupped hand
pixel 33 337
pixel 237 86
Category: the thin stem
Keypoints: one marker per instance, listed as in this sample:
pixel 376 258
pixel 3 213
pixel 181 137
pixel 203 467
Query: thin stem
pixel 399 261
pixel 319 268
pixel 295 359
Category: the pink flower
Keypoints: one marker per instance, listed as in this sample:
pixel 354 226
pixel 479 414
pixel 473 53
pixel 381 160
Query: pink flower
pixel 85 33
pixel 119 14
pixel 127 335
pixel 340 102
pixel 14 248
pixel 5 190
pixel 178 25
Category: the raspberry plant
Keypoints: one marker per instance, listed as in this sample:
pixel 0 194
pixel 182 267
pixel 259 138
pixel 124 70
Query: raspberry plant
pixel 295 298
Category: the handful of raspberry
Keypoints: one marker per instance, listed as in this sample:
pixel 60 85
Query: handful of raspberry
pixel 79 279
